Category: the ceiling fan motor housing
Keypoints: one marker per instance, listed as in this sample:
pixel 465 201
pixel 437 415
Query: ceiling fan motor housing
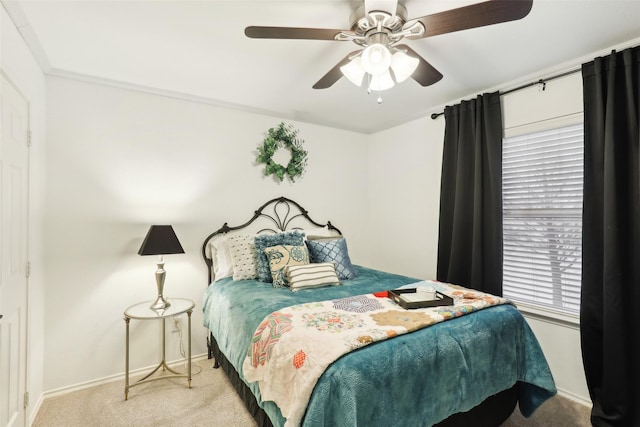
pixel 361 23
pixel 368 28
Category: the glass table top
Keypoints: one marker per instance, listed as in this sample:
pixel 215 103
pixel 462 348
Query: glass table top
pixel 143 310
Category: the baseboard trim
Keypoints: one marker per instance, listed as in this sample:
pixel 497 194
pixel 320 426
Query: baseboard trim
pixel 35 409
pixel 99 381
pixel 576 398
pixel 112 378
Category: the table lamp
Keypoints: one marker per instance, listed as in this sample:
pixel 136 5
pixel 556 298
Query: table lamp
pixel 160 240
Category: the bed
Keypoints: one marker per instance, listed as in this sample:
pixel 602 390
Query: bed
pixel 470 369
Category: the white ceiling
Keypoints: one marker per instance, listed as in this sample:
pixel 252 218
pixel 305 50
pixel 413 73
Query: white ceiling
pixel 198 49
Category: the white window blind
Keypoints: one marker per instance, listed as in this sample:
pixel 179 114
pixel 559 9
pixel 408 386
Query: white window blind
pixel 542 185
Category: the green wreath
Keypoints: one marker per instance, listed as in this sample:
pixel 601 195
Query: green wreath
pixel 284 136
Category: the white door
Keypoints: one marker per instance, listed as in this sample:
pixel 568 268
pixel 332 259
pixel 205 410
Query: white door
pixel 14 161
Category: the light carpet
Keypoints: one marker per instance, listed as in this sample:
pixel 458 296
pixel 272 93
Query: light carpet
pixel 212 401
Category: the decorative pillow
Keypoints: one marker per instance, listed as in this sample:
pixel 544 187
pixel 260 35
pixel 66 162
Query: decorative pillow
pixel 332 250
pixel 221 257
pixel 311 275
pixel 282 256
pixel 243 254
pixel 320 231
pixel 325 238
pixel 263 241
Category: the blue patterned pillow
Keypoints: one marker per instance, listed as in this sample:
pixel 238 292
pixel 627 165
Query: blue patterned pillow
pixel 332 250
pixel 263 241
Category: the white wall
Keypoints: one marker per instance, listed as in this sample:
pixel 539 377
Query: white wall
pixel 405 164
pixel 120 160
pixel 18 64
pixel 404 195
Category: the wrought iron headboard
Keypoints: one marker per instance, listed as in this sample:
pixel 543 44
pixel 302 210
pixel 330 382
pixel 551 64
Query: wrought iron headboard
pixel 277 211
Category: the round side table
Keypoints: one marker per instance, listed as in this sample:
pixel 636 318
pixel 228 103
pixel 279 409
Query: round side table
pixel 143 311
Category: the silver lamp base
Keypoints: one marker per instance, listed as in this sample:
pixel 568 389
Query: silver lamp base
pixel 160 303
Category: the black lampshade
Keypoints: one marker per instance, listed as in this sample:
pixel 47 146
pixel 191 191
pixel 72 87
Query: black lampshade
pixel 161 240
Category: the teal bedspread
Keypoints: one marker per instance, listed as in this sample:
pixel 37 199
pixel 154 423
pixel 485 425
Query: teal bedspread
pixel 417 379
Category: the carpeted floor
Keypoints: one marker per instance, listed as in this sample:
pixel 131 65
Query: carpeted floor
pixel 212 402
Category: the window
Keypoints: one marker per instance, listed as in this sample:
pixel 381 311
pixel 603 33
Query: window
pixel 542 185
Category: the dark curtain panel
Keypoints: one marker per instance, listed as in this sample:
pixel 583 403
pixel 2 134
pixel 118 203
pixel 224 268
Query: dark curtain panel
pixel 470 234
pixel 609 314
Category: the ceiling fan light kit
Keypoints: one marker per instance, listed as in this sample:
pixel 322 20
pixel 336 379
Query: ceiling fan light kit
pixel 377 26
pixel 403 66
pixel 380 82
pixel 376 59
pixel 375 32
pixel 354 71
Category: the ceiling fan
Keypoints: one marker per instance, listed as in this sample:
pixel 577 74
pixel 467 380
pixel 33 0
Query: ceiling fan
pixel 378 26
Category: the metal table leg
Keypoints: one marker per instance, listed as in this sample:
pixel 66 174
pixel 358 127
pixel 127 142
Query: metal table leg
pixel 126 363
pixel 189 347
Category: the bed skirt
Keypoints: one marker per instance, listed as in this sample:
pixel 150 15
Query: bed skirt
pixel 492 412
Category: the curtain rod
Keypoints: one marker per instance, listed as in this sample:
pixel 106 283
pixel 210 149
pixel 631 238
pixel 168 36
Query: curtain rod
pixel 542 82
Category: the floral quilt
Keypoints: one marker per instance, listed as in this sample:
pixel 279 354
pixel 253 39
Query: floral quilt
pixel 292 347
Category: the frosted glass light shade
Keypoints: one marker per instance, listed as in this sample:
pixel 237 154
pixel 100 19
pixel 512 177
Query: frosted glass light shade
pixel 376 59
pixel 354 71
pixel 381 81
pixel 403 66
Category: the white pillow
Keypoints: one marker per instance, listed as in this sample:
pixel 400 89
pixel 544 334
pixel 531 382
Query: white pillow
pixel 324 238
pixel 243 256
pixel 311 275
pixel 321 232
pixel 221 257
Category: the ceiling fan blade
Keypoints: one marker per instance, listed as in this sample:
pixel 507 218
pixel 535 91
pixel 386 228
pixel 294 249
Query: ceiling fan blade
pixel 389 6
pixel 334 74
pixel 473 16
pixel 425 74
pixel 256 32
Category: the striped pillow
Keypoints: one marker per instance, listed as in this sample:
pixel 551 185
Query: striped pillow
pixel 311 275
